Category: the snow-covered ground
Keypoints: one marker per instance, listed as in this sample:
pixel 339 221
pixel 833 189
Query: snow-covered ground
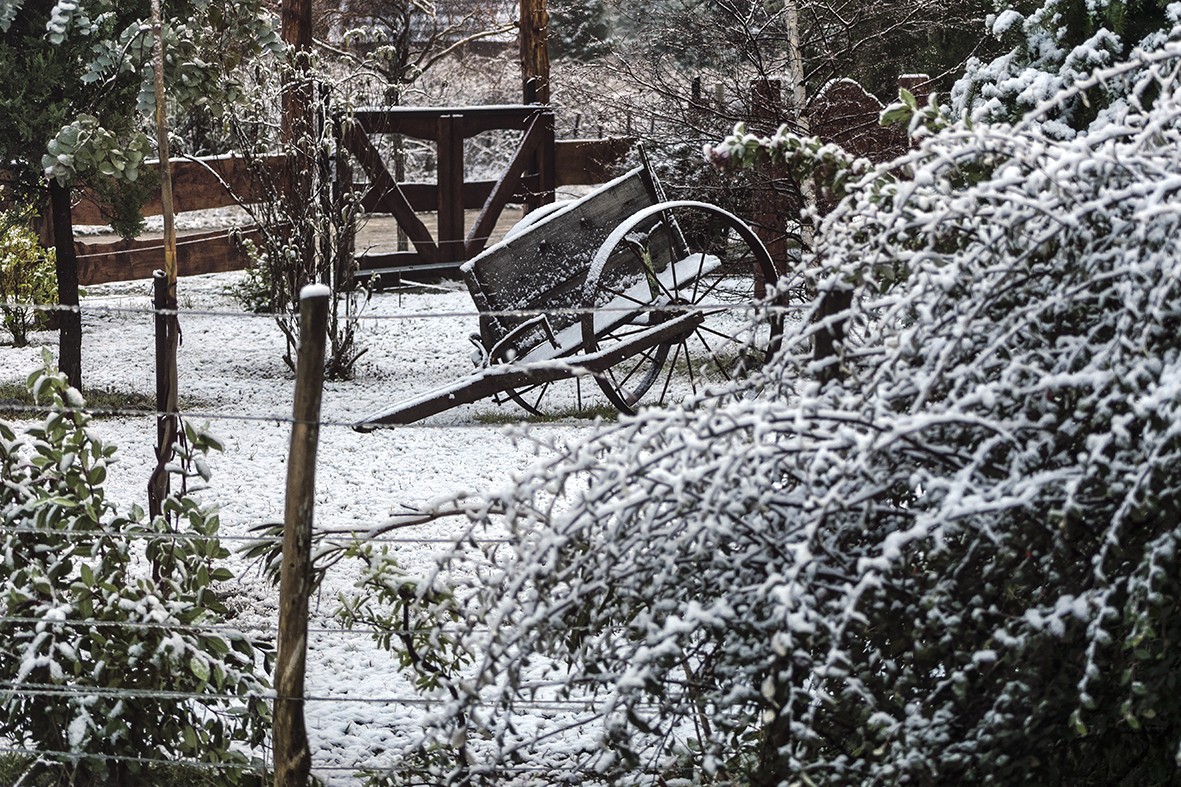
pixel 233 376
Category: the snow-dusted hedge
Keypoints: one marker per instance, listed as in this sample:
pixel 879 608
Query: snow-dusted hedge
pixel 956 562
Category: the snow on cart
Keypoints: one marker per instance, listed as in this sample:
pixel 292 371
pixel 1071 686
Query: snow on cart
pixel 650 299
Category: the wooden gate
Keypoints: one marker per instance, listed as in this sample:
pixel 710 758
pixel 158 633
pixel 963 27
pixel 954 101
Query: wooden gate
pixel 529 179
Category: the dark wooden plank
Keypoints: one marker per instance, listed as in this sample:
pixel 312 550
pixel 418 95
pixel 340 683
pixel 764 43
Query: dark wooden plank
pixel 422 123
pixel 450 178
pixel 207 253
pixel 509 181
pixel 199 185
pixel 544 167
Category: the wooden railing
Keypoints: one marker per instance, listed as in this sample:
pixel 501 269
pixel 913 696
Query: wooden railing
pixel 222 181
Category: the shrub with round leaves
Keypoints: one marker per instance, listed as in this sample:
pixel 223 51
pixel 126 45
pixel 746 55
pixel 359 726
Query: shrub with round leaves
pixel 27 279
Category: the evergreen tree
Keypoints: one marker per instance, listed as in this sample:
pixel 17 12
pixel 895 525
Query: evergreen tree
pixel 77 85
pixel 1052 46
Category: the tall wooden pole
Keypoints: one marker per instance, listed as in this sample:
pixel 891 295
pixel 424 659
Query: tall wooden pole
pixel 293 759
pixel 69 351
pixel 164 297
pixel 297 135
pixel 534 40
pixel 297 100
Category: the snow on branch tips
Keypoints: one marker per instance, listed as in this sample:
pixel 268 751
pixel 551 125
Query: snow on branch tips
pixel 954 561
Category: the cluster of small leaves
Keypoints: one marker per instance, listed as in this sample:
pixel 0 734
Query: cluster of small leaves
pixel 84 148
pixel 254 291
pixel 27 278
pixel 955 561
pixel 109 652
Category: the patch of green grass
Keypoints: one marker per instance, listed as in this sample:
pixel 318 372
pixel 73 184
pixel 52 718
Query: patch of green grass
pixel 17 403
pixel 511 414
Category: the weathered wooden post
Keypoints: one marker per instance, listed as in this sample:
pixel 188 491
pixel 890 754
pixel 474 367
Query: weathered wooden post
pixel 534 41
pixel 293 759
pixel 770 204
pixel 164 296
pixel 297 135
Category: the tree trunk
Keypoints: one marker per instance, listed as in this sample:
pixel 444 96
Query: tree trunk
pixel 69 354
pixel 534 45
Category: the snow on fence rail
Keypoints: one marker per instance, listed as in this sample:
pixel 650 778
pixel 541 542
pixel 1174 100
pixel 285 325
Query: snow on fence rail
pixel 369 740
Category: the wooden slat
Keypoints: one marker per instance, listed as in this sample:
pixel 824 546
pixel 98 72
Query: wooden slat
pixel 198 186
pixel 422 123
pixel 127 260
pixel 450 209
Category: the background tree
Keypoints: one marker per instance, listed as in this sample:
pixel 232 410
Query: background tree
pixel 79 78
pixel 403 39
pixel 1050 46
pixel 682 73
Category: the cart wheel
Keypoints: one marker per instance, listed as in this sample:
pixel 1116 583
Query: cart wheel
pixel 643 276
pixel 562 397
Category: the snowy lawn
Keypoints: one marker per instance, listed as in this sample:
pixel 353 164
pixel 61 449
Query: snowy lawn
pixel 233 376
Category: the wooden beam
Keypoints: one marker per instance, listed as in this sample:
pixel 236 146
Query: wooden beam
pixel 423 123
pixel 214 252
pixel 199 184
pixel 450 169
pixel 534 35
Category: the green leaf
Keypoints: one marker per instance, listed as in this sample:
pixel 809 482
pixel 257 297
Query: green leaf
pixel 199 668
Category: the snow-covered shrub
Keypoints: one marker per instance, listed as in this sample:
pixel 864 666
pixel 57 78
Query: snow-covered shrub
pixel 1054 45
pixel 955 562
pixel 113 649
pixel 27 279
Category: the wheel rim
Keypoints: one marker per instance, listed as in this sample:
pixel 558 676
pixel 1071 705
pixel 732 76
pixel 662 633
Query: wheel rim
pixel 727 343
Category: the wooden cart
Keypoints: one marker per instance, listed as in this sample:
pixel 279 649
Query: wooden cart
pixel 645 300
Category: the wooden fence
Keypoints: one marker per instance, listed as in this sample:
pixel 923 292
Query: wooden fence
pixel 201 184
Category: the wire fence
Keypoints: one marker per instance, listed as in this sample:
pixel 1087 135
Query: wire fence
pixel 77 690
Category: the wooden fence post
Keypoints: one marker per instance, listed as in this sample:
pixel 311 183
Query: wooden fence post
pixel 167 422
pixel 769 204
pixel 293 759
pixel 534 45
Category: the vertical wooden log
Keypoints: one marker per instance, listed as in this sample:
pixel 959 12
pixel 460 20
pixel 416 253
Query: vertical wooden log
pixel 296 131
pixel 168 212
pixel 450 189
pixel 770 207
pixel 69 345
pixel 167 339
pixel 534 41
pixel 293 759
pixel 543 165
pixel 296 16
pixel 164 294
